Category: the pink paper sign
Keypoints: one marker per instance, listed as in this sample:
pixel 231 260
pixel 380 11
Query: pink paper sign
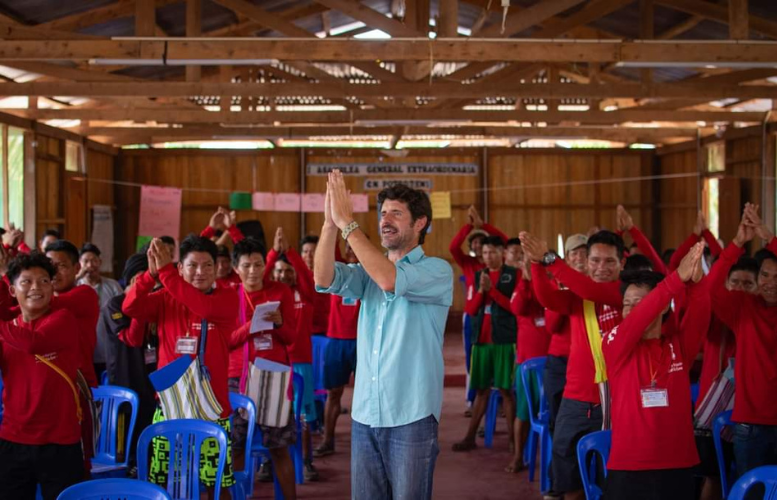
pixel 160 211
pixel 313 202
pixel 263 202
pixel 287 202
pixel 361 203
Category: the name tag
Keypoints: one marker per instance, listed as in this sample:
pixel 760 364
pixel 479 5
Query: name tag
pixel 654 398
pixel 263 342
pixel 539 321
pixel 488 309
pixel 349 301
pixel 186 345
pixel 149 356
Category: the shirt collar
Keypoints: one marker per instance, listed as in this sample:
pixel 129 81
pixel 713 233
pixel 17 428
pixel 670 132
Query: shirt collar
pixel 414 255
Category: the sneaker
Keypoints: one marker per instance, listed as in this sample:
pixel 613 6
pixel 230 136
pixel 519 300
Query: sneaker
pixel 310 473
pixel 264 475
pixel 324 449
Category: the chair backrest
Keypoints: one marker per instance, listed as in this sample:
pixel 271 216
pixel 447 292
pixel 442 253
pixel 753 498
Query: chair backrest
pixel 722 421
pixel 240 402
pixel 535 368
pixel 185 437
pixel 596 443
pixel 319 345
pixel 111 398
pixel 114 489
pixel 766 475
pixel 299 391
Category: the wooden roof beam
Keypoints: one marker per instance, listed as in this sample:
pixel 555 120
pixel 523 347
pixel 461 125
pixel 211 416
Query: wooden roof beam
pixel 720 13
pixel 265 18
pixel 372 18
pixel 81 20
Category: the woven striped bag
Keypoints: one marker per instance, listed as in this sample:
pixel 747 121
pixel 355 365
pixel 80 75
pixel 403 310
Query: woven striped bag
pixel 268 387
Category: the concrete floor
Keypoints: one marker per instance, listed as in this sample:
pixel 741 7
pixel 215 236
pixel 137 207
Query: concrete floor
pixel 477 475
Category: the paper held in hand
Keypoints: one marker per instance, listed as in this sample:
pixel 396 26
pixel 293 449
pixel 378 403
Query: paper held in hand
pixel 258 323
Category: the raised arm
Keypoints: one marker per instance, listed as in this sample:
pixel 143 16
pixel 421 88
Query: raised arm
pixel 647 249
pixel 561 301
pixel 461 258
pixel 712 242
pixel 307 288
pixel 219 306
pixel 586 288
pixel 696 320
pixel 141 302
pixel 683 250
pixel 50 333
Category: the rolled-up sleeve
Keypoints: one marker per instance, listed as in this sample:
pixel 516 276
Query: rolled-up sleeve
pixel 349 281
pixel 429 281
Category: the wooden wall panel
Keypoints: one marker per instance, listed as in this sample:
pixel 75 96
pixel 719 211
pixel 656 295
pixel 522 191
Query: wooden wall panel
pixel 50 197
pixel 678 197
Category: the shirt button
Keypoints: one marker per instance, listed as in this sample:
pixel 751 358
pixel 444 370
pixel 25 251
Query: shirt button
pixel 374 379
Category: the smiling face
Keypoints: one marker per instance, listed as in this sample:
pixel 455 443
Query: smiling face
pixel 398 232
pixel 476 245
pixel 578 259
pixel 33 290
pixel 250 268
pixel 633 296
pixel 285 273
pixel 767 281
pixel 65 279
pixel 603 263
pixel 199 270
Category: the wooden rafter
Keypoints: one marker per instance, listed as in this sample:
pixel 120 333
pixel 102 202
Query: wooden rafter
pixel 720 13
pixel 526 18
pixel 372 18
pixel 265 18
pixel 75 22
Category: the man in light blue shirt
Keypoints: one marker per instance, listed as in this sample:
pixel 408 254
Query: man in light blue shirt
pixel 405 297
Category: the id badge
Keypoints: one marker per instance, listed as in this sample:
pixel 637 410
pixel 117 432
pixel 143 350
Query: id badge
pixel 539 321
pixel 263 342
pixel 349 301
pixel 488 309
pixel 654 398
pixel 149 355
pixel 186 345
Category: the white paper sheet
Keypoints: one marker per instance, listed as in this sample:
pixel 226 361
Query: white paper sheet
pixel 258 323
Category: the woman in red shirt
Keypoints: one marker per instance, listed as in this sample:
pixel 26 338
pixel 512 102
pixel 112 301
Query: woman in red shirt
pixel 653 449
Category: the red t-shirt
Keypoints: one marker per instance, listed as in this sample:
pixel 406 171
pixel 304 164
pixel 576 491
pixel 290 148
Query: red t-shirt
pixel 230 280
pixel 754 323
pixel 581 372
pixel 533 339
pixel 178 310
pixel 82 301
pixel 321 306
pixel 343 318
pixel 712 361
pixel 301 351
pixel 470 265
pixel 39 405
pixel 244 344
pixel 658 437
pixel 560 330
pixel 485 301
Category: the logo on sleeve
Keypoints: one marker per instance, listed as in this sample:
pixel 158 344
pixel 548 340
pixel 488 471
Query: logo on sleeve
pixel 117 315
pixel 612 334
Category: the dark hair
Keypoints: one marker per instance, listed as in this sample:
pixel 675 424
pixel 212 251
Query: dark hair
pixel 51 232
pixel 763 255
pixel 247 246
pixel 494 241
pixel 476 236
pixel 637 262
pixel 608 238
pixel 22 262
pixel 222 251
pixel 311 238
pixel 89 247
pixel 513 241
pixel 640 278
pixel 64 246
pixel 667 255
pixel 417 202
pixel 168 240
pixel 746 264
pixel 194 243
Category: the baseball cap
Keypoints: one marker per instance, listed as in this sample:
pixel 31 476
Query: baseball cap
pixel 575 241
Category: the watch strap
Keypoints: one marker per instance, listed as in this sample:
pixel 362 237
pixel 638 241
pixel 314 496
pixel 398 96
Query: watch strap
pixel 347 230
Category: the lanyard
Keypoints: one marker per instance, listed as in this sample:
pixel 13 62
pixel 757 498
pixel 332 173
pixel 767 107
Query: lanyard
pixel 654 373
pixel 188 320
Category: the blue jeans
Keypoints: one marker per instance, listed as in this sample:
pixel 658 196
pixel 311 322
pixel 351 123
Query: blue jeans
pixel 466 330
pixel 393 463
pixel 754 446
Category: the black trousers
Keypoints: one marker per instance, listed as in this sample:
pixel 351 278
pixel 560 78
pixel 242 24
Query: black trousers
pixel 555 381
pixel 24 466
pixel 664 484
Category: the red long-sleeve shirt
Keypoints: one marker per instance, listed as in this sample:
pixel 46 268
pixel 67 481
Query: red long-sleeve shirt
pixel 581 372
pixel 713 360
pixel 178 309
pixel 234 232
pixel 685 247
pixel 343 318
pixel 83 302
pixel 301 351
pixel 647 249
pixel 282 337
pixel 39 405
pixel 754 323
pixel 533 339
pixel 470 265
pixel 560 330
pixel 484 300
pixel 661 437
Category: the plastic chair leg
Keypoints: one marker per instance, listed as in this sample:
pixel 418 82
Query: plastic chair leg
pixel 545 455
pixel 491 414
pixel 277 488
pixel 531 446
pixel 299 464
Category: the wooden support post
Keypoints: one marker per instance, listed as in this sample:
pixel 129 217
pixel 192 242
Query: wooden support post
pixel 646 32
pixel 145 18
pixel 738 20
pixel 449 19
pixel 193 29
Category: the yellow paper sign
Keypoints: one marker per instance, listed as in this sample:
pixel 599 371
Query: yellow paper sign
pixel 441 204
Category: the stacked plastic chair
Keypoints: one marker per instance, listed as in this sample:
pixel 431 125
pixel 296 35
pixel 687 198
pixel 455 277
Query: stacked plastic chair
pixel 765 475
pixel 114 489
pixel 106 463
pixel 727 471
pixel 591 446
pixel 539 420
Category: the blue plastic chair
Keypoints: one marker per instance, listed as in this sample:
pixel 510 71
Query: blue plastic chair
pixel 539 419
pixel 492 411
pixel 593 444
pixel 186 437
pixel 727 471
pixel 114 489
pixel 766 475
pixel 258 451
pixel 105 463
pixel 104 378
pixel 245 485
pixel 1 397
pixel 694 394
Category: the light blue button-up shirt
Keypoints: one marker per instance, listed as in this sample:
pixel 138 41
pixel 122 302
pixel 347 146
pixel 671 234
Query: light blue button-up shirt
pixel 399 364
